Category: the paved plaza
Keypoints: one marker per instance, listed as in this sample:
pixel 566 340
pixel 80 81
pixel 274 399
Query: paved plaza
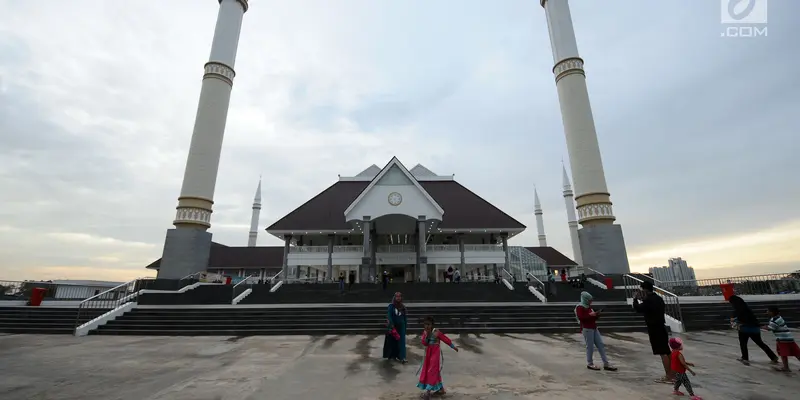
pixel 350 367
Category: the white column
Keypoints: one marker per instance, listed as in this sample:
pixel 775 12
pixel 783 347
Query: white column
pixel 253 237
pixel 423 258
pixel 200 177
pixel 594 204
pixel 286 241
pixel 539 219
pixel 571 220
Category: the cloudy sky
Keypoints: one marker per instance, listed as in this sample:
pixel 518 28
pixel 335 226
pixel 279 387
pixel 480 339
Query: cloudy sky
pixel 699 132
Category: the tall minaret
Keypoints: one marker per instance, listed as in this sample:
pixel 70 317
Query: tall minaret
pixel 573 222
pixel 539 220
pixel 251 240
pixel 187 247
pixel 601 241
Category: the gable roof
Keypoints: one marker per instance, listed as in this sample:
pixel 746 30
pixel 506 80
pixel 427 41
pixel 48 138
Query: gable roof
pixel 223 257
pixel 394 162
pixel 462 209
pixel 552 257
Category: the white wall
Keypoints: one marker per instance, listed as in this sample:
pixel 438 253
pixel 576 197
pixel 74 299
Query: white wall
pixel 376 202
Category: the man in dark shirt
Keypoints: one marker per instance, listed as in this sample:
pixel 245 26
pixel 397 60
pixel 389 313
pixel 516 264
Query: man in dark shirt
pixel 649 303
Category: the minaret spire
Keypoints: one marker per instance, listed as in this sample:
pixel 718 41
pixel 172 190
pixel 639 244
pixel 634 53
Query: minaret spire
pixel 187 247
pixel 571 220
pixel 253 237
pixel 539 219
pixel 602 242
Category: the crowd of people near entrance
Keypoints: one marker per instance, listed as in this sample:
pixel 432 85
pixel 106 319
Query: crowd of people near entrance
pixel 670 350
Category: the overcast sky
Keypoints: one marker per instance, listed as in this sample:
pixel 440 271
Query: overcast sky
pixel 699 132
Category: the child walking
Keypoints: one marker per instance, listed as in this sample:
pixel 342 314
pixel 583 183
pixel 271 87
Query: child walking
pixel 787 347
pixel 679 367
pixel 430 377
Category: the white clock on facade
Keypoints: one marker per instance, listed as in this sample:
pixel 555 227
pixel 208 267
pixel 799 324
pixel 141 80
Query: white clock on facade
pixel 395 199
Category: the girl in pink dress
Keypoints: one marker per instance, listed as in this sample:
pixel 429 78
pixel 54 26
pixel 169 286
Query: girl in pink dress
pixel 430 377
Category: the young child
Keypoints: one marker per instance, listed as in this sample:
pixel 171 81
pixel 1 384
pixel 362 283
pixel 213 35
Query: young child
pixel 679 367
pixel 783 336
pixel 430 377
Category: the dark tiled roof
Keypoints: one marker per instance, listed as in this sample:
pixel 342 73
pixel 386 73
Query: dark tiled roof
pixel 239 257
pixel 462 208
pixel 552 257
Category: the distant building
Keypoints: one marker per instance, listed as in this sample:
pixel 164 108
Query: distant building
pixel 677 271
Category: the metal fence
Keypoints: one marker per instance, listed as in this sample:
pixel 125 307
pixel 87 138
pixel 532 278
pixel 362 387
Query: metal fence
pixel 21 290
pixel 784 283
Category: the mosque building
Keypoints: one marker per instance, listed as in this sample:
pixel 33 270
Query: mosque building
pixel 414 224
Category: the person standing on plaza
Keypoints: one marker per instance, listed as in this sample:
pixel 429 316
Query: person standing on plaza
pixel 587 318
pixel 341 282
pixel 651 305
pixel 394 345
pixel 746 322
pixel 430 372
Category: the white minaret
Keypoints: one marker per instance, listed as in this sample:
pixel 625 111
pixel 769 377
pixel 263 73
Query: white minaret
pixel 539 219
pixel 186 248
pixel 251 240
pixel 569 202
pixel 602 243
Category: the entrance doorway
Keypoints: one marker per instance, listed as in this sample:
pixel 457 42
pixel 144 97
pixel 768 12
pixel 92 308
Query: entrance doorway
pixel 400 273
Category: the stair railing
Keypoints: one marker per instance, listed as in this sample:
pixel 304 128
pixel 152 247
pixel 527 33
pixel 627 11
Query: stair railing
pixel 108 300
pixel 536 283
pixel 672 304
pixel 244 284
pixel 595 271
pixel 275 277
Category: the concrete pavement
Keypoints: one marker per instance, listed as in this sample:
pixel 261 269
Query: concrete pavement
pixel 350 367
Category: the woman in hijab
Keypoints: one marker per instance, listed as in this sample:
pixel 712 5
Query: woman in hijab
pixel 749 328
pixel 394 346
pixel 587 318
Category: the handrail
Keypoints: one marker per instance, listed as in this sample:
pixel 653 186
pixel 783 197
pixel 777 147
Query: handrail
pixel 235 293
pixel 527 274
pixel 658 288
pixel 672 304
pixel 116 296
pixel 198 273
pixel 253 275
pixel 595 271
pixel 276 276
pixel 107 291
pixel 508 273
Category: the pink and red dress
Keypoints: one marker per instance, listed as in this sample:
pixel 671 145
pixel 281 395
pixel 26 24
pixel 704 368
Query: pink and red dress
pixel 430 376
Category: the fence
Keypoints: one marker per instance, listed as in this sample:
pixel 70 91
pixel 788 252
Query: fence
pixel 753 284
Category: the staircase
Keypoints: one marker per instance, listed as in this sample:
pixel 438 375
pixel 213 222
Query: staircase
pixel 716 316
pixel 43 320
pixel 343 320
pixel 329 293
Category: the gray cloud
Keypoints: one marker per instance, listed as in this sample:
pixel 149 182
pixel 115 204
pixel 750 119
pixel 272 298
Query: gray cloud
pixel 697 131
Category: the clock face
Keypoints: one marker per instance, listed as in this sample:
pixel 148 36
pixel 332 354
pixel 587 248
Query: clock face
pixel 395 198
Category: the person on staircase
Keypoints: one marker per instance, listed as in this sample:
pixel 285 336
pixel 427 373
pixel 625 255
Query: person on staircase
pixel 745 321
pixel 587 318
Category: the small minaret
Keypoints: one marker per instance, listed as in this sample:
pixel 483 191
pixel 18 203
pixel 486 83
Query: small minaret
pixel 539 219
pixel 573 222
pixel 251 241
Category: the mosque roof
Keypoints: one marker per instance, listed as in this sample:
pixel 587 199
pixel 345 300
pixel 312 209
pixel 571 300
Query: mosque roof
pixel 463 209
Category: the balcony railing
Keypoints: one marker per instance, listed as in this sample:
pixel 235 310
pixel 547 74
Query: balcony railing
pixel 324 249
pixel 397 248
pixel 482 247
